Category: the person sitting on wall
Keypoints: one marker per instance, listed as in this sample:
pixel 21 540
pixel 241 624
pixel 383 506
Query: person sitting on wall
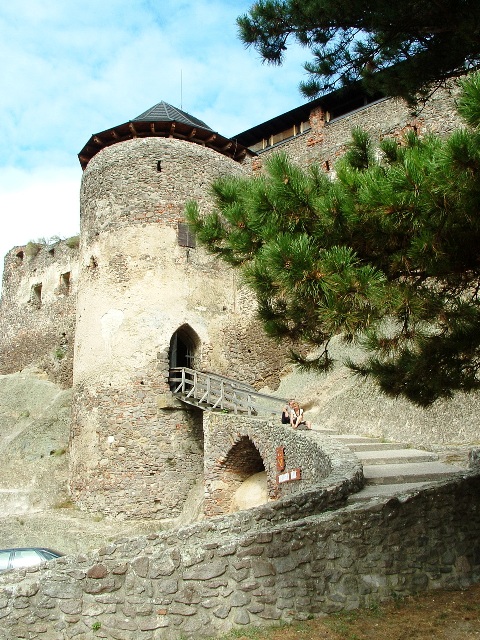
pixel 286 413
pixel 297 419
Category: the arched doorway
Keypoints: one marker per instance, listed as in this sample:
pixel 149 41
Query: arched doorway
pixel 183 345
pixel 183 348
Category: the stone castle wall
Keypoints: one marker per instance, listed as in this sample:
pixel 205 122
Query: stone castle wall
pixel 152 197
pixel 244 569
pixel 37 311
pixel 326 141
pixel 136 287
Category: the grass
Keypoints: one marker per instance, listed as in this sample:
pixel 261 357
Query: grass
pixel 439 615
pixel 32 248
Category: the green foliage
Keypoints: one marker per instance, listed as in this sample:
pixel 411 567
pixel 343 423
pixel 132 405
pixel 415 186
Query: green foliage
pixel 400 48
pixel 387 254
pixel 32 249
pixel 58 452
pixel 73 242
pixel 59 353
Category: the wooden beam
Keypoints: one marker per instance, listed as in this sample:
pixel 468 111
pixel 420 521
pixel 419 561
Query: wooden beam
pixel 152 127
pixel 172 129
pixel 227 146
pixel 98 141
pixel 115 135
pixel 211 138
pixel 192 133
pixel 132 129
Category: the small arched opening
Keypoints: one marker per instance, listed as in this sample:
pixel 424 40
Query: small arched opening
pixel 244 478
pixel 184 346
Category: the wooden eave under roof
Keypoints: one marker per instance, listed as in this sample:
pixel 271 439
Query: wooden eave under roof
pixel 168 129
pixel 337 102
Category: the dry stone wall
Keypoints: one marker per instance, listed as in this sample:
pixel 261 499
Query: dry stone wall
pixel 239 570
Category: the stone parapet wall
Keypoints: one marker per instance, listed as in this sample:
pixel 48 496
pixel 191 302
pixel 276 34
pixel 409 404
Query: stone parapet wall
pixel 325 142
pixel 207 579
pixel 37 310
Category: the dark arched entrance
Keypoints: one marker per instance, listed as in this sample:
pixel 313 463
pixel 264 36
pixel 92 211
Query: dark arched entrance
pixel 242 463
pixel 183 346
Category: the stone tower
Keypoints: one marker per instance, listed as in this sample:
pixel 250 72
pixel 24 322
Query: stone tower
pixel 149 300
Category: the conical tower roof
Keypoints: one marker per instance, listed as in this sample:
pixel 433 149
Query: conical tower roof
pixel 164 112
pixel 163 121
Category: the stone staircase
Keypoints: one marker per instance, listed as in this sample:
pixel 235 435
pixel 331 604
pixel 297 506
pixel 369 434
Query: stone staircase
pixel 391 468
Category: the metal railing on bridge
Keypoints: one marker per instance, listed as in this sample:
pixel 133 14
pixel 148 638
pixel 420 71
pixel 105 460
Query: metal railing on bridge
pixel 210 392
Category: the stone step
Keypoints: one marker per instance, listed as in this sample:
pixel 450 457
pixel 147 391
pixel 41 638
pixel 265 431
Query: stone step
pixel 376 446
pixel 409 472
pixel 396 456
pixel 385 491
pixel 354 440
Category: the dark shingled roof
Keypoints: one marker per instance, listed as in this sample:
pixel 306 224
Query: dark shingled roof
pixel 164 121
pixel 164 112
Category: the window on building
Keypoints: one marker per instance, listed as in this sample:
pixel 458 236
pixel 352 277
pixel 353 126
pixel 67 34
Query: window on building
pixel 65 282
pixel 186 236
pixel 36 295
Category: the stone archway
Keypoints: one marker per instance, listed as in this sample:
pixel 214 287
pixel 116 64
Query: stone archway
pixel 242 462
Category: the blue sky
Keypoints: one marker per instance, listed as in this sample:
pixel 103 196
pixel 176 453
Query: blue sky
pixel 70 68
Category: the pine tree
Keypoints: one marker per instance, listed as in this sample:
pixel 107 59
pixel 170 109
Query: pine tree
pixel 387 254
pixel 413 44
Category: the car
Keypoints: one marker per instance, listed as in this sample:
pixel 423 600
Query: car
pixel 25 557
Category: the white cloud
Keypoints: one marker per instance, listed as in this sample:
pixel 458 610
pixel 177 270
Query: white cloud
pixel 78 67
pixel 37 204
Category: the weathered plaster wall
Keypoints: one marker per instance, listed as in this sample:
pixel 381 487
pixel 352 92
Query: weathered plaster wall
pixel 37 327
pixel 229 572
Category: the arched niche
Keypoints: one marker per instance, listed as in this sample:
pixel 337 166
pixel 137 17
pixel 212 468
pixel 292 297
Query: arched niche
pixel 243 459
